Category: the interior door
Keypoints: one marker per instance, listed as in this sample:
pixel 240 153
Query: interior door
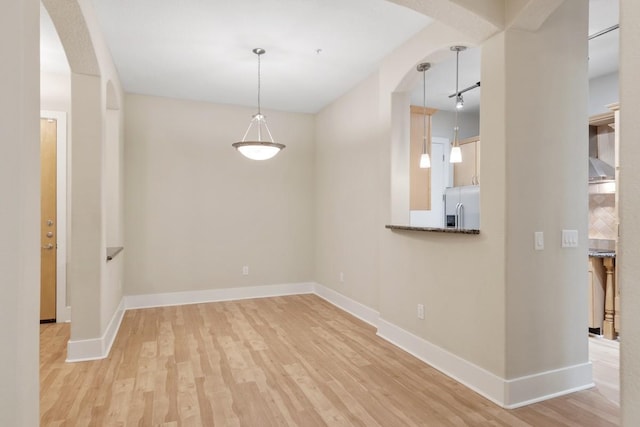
pixel 48 221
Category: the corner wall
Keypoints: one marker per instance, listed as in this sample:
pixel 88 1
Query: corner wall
pixel 347 192
pixel 629 270
pixel 410 267
pixel 19 213
pixel 91 293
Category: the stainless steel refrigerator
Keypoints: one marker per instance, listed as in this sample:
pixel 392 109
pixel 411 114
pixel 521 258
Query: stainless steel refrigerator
pixel 462 207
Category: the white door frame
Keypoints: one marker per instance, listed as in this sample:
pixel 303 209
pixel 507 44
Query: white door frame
pixel 63 312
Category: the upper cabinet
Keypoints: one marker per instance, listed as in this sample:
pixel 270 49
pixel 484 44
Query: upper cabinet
pixel 420 179
pixel 468 171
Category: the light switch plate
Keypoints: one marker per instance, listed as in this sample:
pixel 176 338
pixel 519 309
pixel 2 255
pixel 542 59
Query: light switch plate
pixel 569 238
pixel 538 240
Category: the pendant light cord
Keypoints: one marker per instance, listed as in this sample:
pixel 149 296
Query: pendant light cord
pixel 259 110
pixel 457 73
pixel 424 112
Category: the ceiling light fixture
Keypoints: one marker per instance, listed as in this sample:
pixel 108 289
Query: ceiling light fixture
pixel 258 149
pixel 425 160
pixel 456 153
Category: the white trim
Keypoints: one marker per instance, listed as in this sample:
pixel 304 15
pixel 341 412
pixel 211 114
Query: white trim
pixel 214 295
pixel 62 313
pixel 66 315
pixel 547 385
pixel 474 377
pixel 96 348
pixel 361 311
pixel 84 350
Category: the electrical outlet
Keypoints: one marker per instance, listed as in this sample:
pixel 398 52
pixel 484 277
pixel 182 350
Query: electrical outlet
pixel 341 277
pixel 245 270
pixel 420 311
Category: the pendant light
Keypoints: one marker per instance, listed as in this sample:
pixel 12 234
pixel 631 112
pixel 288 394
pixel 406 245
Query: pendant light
pixel 425 160
pixel 258 149
pixel 456 153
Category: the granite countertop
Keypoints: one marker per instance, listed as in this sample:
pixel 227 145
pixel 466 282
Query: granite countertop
pixel 602 253
pixel 432 229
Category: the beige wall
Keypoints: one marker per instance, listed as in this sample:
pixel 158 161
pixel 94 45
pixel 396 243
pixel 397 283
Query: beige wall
pixel 347 193
pixel 19 213
pixel 55 92
pixel 546 178
pixel 197 211
pixel 489 299
pixel 409 268
pixel 629 207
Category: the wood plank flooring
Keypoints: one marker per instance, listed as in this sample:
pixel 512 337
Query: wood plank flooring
pixel 605 358
pixel 286 361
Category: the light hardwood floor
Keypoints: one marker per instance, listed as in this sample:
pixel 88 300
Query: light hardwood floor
pixel 605 358
pixel 287 361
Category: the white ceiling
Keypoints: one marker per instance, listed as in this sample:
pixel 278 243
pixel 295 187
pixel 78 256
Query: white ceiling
pixel 316 49
pixel 603 59
pixel 194 49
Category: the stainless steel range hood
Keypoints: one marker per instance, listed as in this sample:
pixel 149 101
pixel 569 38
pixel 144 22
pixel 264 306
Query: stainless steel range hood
pixel 598 170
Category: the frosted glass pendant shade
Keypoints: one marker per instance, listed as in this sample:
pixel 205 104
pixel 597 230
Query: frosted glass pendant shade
pixel 258 150
pixel 456 155
pixel 425 161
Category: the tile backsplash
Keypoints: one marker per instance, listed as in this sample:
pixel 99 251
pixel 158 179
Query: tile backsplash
pixel 602 219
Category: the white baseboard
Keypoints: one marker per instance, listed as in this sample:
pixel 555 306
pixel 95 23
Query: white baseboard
pixel 96 348
pixel 547 385
pixel 215 295
pixel 476 378
pixel 509 394
pixel 344 303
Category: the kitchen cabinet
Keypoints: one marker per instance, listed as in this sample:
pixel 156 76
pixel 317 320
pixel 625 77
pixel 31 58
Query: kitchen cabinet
pixel 467 172
pixel 419 179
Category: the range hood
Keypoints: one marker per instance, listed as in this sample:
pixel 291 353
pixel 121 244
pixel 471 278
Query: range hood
pixel 598 170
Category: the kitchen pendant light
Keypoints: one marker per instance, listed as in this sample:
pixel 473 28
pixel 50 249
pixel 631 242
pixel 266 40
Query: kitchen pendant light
pixel 425 160
pixel 456 153
pixel 258 149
